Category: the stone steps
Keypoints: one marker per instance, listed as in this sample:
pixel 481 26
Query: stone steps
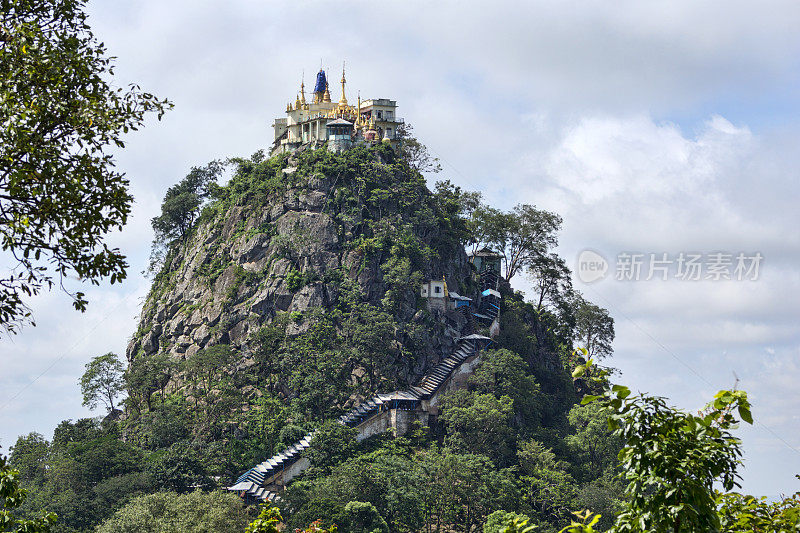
pixel 251 484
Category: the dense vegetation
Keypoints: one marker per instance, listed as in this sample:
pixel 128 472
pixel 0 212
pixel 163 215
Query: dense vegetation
pixel 201 434
pixel 515 448
pixel 491 452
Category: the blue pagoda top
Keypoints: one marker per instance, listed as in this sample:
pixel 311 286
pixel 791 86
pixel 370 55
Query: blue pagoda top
pixel 322 82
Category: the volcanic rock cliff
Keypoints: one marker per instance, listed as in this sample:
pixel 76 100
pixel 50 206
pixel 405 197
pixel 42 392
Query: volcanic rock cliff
pixel 295 238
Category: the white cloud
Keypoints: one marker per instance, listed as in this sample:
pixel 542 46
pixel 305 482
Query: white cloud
pixel 630 183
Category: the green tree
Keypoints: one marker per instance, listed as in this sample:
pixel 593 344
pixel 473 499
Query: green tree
pixel 551 279
pixel 13 496
pixel 519 525
pixel 148 375
pixel 593 444
pixel 200 512
pixel 205 368
pixel 479 423
pixel 264 423
pixel 180 467
pixel 413 489
pixel 547 488
pixel 60 192
pixel 743 513
pixel 164 425
pixel 90 471
pixel 212 387
pixel 603 495
pixel 414 152
pixel 180 208
pixel 594 328
pixel 504 373
pixel 362 517
pixel 29 456
pixel 182 202
pixel 370 335
pixel 461 490
pixel 586 525
pixel 522 235
pixel 387 478
pixel 102 381
pixel 457 207
pixel 332 444
pixel 82 475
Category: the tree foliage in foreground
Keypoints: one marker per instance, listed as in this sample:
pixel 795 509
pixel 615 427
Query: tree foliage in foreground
pixel 267 521
pixel 12 496
pixel 671 459
pixel 271 521
pixel 60 192
pixel 743 513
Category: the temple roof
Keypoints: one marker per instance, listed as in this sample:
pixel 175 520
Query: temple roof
pixel 484 252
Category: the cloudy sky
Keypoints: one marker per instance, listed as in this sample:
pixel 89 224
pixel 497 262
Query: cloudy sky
pixel 651 128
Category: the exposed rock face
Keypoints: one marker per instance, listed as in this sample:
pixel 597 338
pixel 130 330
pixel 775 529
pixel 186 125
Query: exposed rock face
pixel 245 264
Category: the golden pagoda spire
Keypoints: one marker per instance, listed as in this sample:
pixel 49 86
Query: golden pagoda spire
pixel 326 96
pixel 302 91
pixel 297 102
pixel 343 101
pixel 358 110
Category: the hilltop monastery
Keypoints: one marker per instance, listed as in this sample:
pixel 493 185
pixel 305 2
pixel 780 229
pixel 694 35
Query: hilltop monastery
pixel 338 123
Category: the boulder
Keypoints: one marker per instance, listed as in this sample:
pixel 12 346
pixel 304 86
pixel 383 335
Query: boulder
pixel 308 297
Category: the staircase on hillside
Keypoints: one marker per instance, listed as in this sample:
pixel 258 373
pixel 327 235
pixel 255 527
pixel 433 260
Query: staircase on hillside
pixel 434 380
pixel 489 280
pixel 261 482
pixel 489 308
pixel 472 322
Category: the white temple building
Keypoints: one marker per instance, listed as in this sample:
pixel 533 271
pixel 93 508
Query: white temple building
pixel 338 123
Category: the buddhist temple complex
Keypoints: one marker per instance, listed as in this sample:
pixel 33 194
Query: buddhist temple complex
pixel 340 124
